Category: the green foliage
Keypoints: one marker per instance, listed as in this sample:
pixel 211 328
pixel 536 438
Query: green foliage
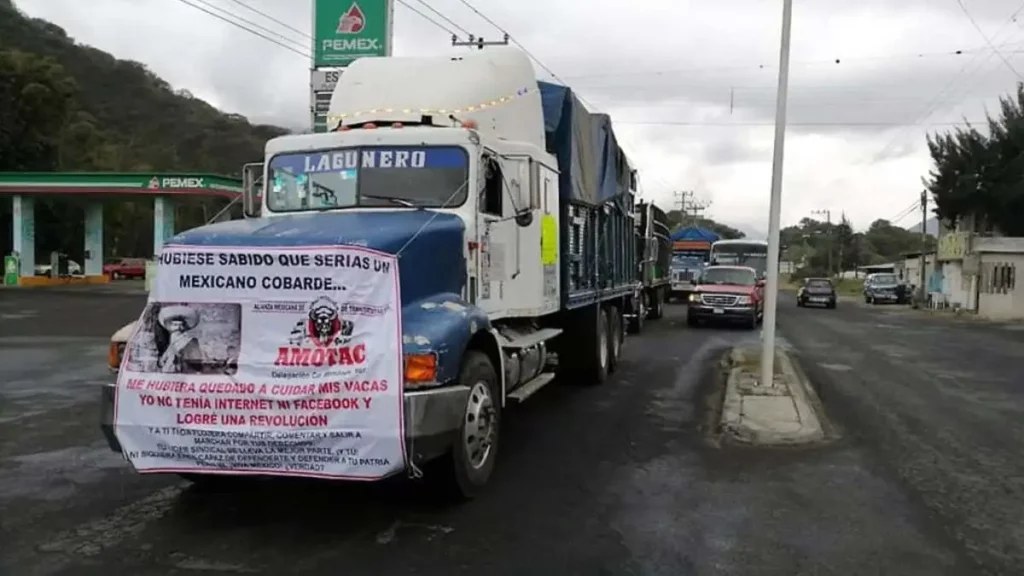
pixel 808 245
pixel 676 221
pixel 69 107
pixel 35 98
pixel 982 174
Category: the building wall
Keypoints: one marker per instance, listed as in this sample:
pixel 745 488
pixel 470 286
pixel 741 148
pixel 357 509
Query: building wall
pixel 1000 290
pixel 911 266
pixel 956 285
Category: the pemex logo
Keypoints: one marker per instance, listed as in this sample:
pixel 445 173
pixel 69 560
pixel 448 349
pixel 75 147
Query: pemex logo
pixel 352 21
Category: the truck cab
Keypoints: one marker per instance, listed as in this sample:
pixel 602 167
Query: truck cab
pixel 514 236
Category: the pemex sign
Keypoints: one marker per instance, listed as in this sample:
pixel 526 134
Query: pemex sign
pixel 346 30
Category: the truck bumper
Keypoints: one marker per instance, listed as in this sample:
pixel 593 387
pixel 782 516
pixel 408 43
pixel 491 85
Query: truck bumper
pixel 681 289
pixel 725 314
pixel 433 419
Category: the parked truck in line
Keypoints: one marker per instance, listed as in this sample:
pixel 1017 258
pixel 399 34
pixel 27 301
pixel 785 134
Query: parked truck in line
pixel 517 254
pixel 654 254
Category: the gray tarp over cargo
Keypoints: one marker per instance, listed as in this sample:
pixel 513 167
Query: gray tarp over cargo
pixel 593 167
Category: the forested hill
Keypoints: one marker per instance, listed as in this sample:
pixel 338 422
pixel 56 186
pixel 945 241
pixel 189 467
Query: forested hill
pixel 66 106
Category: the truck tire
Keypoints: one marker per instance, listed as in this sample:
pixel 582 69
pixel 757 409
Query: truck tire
pixel 616 336
pixel 636 322
pixel 465 470
pixel 657 304
pixel 593 359
pixel 691 321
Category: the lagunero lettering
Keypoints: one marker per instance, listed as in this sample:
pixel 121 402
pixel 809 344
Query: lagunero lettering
pixel 277 361
pixel 372 158
pixel 347 30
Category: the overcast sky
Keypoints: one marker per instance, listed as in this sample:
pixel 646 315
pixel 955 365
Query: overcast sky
pixel 690 85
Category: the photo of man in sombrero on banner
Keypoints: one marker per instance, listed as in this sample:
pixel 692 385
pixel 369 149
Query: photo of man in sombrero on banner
pixel 178 338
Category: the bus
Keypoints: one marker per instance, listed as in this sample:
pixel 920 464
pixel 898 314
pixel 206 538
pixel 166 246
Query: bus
pixel 752 253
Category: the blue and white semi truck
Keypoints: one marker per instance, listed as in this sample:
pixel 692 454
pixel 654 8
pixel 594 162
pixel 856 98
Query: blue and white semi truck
pixel 516 244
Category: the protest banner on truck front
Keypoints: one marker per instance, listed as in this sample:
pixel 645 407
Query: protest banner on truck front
pixel 279 361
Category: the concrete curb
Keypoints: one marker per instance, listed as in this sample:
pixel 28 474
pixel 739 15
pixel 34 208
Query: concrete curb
pixel 783 414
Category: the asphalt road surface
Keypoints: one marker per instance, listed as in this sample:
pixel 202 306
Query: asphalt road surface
pixel 940 400
pixel 612 480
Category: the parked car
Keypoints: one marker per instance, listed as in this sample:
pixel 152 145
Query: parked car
pixel 882 288
pixel 727 294
pixel 818 291
pixel 125 268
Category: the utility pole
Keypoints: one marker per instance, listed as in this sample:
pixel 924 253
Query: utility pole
pixel 828 220
pixel 684 202
pixel 688 207
pixel 924 243
pixel 839 260
pixel 479 42
pixel 771 289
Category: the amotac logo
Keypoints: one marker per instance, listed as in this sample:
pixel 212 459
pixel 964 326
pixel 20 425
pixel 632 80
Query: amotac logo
pixel 321 338
pixel 353 21
pixel 322 326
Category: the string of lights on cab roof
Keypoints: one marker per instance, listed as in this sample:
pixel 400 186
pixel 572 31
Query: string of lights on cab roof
pixel 428 111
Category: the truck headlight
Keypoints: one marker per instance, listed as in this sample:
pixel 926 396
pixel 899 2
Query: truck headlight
pixel 694 297
pixel 743 300
pixel 115 355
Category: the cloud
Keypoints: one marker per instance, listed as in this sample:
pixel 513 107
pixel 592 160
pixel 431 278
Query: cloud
pixel 691 91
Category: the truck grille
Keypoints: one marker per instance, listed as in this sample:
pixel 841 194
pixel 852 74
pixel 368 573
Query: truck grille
pixel 718 299
pixel 684 276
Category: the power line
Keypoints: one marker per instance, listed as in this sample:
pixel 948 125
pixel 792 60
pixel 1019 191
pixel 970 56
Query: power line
pixel 249 30
pixel 987 39
pixel 749 124
pixel 443 17
pixel 268 31
pixel 931 106
pixel 249 22
pixel 902 214
pixel 428 18
pixel 516 42
pixel 271 18
pixel 823 62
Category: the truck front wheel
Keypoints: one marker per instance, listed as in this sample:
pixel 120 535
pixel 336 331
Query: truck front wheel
pixel 657 304
pixel 475 449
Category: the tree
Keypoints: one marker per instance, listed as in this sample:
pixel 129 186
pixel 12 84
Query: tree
pixel 982 174
pixel 70 107
pixel 807 244
pixel 35 97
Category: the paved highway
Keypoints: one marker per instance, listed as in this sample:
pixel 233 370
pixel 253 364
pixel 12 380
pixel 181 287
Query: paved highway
pixel 940 401
pixel 620 479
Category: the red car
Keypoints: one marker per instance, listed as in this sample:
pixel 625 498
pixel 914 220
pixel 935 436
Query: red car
pixel 125 268
pixel 727 294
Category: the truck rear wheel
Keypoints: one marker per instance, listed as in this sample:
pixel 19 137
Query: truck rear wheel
pixel 616 336
pixel 469 465
pixel 593 365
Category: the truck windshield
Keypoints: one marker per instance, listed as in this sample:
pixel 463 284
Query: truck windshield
pixel 884 279
pixel 732 276
pixel 424 176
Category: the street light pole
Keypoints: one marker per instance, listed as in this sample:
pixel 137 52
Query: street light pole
pixel 775 206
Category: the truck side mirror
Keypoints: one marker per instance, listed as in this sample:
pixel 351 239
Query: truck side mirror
pixel 252 186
